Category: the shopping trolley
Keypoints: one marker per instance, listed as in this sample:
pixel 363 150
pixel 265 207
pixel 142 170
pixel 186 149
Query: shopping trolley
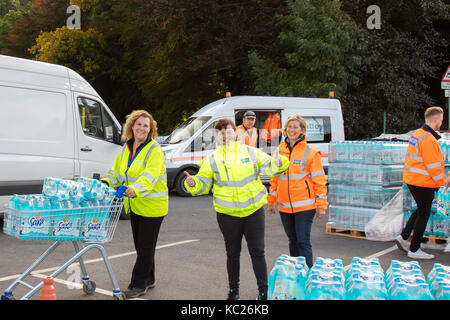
pixel 90 225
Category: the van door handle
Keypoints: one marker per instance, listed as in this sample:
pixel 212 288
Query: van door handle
pixel 86 149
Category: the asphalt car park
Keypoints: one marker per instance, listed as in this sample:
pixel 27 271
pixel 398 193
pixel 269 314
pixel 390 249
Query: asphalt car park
pixel 190 257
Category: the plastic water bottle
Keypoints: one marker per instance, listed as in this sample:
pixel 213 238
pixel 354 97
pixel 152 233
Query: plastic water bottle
pixel 341 152
pixel 324 286
pixel 443 292
pixel 438 268
pixel 284 285
pixel 93 187
pixel 399 291
pixel 300 273
pixel 50 187
pixel 332 152
pixel 272 277
pixel 10 224
pixel 366 286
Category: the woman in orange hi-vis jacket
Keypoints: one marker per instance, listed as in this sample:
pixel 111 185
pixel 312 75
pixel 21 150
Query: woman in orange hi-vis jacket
pixel 301 192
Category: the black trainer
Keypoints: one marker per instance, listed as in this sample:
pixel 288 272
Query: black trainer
pixel 262 295
pixel 150 285
pixel 135 292
pixel 233 294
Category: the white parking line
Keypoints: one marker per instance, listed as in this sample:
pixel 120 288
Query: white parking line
pixel 40 273
pixel 376 255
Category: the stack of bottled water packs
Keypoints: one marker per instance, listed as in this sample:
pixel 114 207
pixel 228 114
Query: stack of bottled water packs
pixel 287 279
pixel 439 281
pixel 405 281
pixel 66 210
pixel 325 280
pixel 364 279
pixel 363 177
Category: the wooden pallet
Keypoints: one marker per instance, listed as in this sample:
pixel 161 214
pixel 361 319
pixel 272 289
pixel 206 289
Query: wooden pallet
pixel 333 229
pixel 336 230
pixel 433 239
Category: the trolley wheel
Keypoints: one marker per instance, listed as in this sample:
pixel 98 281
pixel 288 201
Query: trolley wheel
pixel 120 296
pixel 89 287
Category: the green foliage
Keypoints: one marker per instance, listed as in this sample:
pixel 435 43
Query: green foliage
pixel 401 68
pixel 10 12
pixel 174 56
pixel 320 52
pixel 83 51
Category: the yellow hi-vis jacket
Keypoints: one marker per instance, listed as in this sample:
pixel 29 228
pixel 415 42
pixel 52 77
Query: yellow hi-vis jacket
pixel 424 162
pixel 233 173
pixel 146 175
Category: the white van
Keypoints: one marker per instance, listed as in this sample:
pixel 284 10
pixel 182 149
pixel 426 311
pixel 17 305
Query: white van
pixel 187 145
pixel 53 123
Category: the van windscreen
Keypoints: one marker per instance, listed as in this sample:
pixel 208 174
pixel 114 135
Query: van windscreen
pixel 186 130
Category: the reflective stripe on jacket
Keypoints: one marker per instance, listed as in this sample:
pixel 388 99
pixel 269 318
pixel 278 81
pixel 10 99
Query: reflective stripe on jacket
pixel 232 171
pixel 146 175
pixel 424 162
pixel 248 137
pixel 303 185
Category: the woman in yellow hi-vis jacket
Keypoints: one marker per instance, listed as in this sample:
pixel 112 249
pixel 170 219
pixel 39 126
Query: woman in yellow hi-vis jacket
pixel 140 166
pixel 232 171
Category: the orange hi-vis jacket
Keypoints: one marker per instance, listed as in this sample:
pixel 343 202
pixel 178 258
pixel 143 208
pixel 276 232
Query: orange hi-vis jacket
pixel 272 127
pixel 424 162
pixel 302 187
pixel 248 137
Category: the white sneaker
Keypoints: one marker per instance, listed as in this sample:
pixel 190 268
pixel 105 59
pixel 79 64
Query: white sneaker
pixel 402 244
pixel 419 254
pixel 447 248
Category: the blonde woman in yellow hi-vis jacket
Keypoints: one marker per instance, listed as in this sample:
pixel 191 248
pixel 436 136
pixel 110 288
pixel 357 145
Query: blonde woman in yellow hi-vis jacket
pixel 301 192
pixel 140 166
pixel 232 171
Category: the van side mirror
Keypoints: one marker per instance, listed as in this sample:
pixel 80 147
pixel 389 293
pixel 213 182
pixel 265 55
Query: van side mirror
pixel 118 136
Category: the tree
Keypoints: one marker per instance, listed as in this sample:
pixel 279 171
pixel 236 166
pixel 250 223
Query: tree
pixel 10 12
pixel 43 15
pixel 404 60
pixel 320 50
pixel 83 51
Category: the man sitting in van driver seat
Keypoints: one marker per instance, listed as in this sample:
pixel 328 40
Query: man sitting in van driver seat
pixel 246 132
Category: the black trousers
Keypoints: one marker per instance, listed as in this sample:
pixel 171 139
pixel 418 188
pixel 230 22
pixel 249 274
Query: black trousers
pixel 145 235
pixel 419 218
pixel 252 228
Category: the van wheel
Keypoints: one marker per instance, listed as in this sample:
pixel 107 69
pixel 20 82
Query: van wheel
pixel 179 182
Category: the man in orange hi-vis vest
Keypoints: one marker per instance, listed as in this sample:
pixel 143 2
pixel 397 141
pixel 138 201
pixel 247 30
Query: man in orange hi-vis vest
pixel 424 173
pixel 246 132
pixel 271 129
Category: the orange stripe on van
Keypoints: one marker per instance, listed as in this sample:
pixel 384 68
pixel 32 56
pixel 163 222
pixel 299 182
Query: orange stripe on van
pixel 186 159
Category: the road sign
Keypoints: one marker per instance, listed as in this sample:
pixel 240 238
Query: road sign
pixel 447 93
pixel 445 82
pixel 446 77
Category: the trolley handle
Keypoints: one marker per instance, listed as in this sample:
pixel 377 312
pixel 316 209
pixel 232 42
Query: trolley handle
pixel 120 191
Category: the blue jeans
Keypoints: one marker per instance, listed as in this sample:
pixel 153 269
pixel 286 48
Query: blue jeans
pixel 298 230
